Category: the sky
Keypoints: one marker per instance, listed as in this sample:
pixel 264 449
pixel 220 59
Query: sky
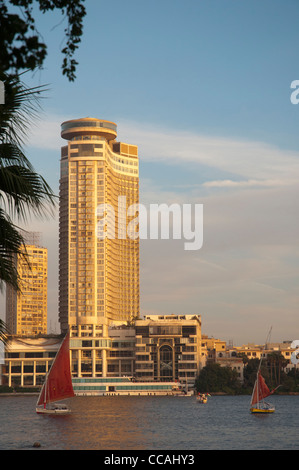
pixel 203 87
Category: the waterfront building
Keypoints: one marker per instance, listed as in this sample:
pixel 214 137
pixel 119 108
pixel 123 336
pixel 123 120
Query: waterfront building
pixel 86 349
pixel 98 260
pixel 224 359
pixel 99 276
pixel 26 310
pixel 121 356
pixel 27 360
pixel 210 348
pixel 171 344
pixel 168 348
pixel 255 351
pixel 210 345
pixel 133 354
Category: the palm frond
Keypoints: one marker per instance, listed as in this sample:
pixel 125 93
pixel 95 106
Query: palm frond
pixel 21 110
pixel 11 154
pixel 3 332
pixel 12 244
pixel 23 192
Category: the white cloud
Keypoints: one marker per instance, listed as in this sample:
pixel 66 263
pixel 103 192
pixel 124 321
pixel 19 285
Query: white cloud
pixel 255 162
pixel 244 184
pixel 247 269
pixel 252 163
pixel 45 134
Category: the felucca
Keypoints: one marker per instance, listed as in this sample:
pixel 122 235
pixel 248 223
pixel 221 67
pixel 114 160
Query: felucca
pixel 261 391
pixel 58 384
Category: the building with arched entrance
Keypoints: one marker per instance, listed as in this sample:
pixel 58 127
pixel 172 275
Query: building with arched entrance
pixel 168 348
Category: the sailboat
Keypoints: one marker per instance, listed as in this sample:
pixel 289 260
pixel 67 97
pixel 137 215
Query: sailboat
pixel 58 384
pixel 260 392
pixel 202 398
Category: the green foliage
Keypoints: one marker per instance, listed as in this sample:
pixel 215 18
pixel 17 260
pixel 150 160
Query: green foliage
pixel 275 363
pixel 23 192
pixel 214 378
pixel 20 389
pixel 249 373
pixel 5 389
pixel 21 47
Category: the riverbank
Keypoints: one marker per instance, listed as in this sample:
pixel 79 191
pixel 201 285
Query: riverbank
pixel 219 394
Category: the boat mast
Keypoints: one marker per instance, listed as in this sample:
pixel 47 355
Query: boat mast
pixel 40 394
pixel 46 386
pixel 266 342
pixel 256 385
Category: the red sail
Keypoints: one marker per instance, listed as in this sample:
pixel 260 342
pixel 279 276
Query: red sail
pixel 261 390
pixel 58 385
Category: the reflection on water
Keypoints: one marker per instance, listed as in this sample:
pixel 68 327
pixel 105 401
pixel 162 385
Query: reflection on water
pixel 149 423
pixel 105 423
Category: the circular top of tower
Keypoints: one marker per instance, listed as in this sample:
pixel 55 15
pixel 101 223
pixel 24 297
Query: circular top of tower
pixel 88 126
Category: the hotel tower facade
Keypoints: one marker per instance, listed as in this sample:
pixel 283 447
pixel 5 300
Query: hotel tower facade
pixel 98 270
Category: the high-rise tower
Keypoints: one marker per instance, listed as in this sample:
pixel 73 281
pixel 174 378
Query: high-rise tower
pixel 98 270
pixel 26 310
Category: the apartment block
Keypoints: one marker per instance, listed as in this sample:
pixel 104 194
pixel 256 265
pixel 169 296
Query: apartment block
pixel 98 250
pixel 26 310
pixel 168 347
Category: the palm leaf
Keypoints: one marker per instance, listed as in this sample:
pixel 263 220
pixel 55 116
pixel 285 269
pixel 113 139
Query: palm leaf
pixel 3 332
pixel 11 244
pixel 23 192
pixel 21 110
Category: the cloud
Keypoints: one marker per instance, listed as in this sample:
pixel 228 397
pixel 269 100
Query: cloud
pixel 244 184
pixel 246 272
pixel 45 134
pixel 251 163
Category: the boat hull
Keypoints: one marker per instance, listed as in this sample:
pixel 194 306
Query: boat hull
pixel 55 410
pixel 202 400
pixel 262 410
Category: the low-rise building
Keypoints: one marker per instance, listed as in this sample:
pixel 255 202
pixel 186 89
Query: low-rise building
pixel 255 351
pixel 27 360
pixel 94 354
pixel 168 347
pixel 210 347
pixel 166 350
pixel 157 349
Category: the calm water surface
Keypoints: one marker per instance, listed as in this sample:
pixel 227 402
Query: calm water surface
pixel 150 423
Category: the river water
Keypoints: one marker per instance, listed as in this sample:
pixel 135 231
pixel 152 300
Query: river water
pixel 150 423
